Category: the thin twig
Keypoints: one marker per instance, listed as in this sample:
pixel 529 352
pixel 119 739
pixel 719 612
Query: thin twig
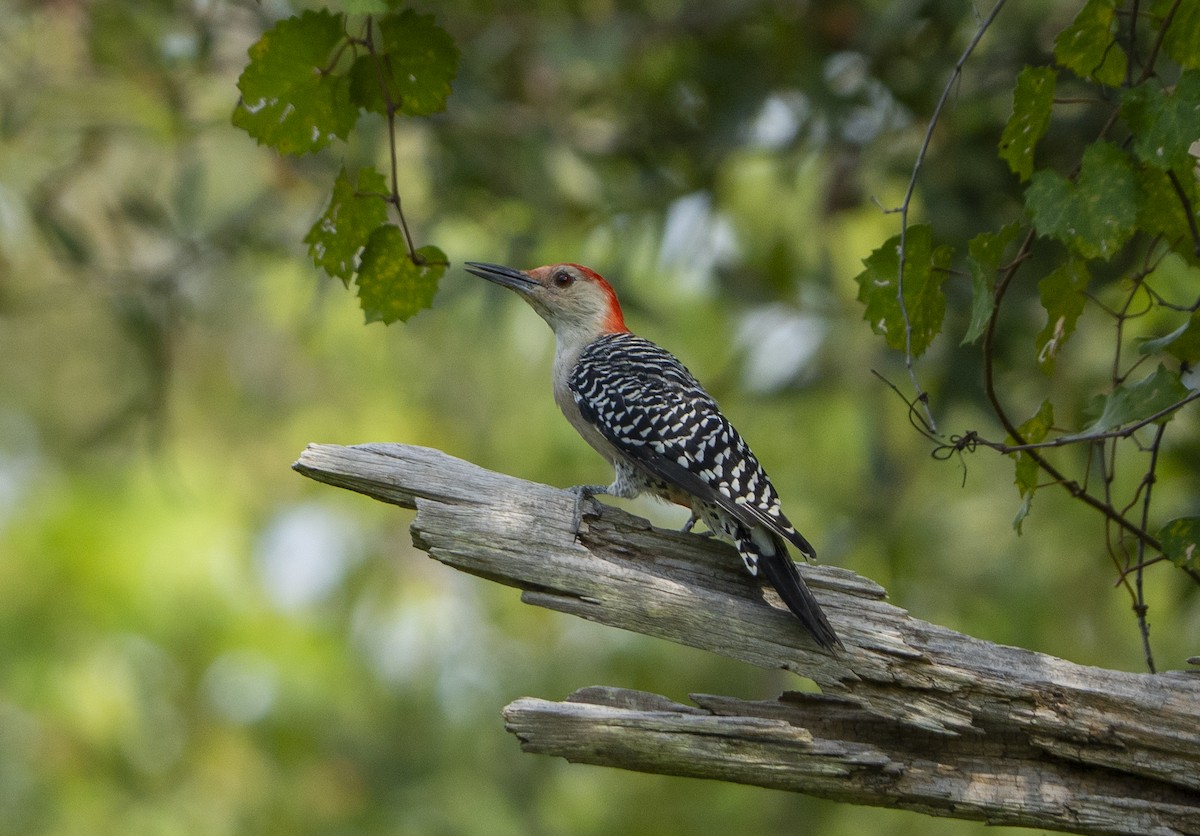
pixel 1187 210
pixel 390 107
pixel 1158 42
pixel 1076 438
pixel 1140 606
pixel 989 381
pixel 921 396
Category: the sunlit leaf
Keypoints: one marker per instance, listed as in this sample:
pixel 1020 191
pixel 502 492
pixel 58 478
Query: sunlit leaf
pixel 1032 100
pixel 985 253
pixel 1094 215
pixel 1062 297
pixel 1165 122
pixel 1133 402
pixel 291 100
pixel 1183 342
pixel 1088 47
pixel 390 285
pixel 1032 431
pixel 415 57
pixel 1180 539
pixel 354 212
pixel 924 271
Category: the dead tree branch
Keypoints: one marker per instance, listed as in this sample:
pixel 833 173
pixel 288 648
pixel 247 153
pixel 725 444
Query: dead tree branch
pixel 912 715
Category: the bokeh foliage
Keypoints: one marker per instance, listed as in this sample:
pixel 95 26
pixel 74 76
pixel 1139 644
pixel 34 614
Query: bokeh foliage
pixel 194 639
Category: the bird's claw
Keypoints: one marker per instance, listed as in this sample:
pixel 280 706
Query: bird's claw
pixel 691 523
pixel 582 493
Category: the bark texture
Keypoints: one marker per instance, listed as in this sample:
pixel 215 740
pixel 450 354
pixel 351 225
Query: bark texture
pixel 912 715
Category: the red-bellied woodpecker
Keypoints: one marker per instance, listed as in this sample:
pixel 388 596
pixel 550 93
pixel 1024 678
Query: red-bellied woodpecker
pixel 642 410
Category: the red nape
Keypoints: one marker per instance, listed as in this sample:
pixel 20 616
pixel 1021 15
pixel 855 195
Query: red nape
pixel 615 322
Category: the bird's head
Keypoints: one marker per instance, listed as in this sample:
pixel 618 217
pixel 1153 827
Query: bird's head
pixel 575 300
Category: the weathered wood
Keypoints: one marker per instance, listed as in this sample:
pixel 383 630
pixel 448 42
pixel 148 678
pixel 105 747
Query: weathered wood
pixel 913 715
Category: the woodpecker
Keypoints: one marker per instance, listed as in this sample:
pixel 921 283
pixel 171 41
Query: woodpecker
pixel 644 412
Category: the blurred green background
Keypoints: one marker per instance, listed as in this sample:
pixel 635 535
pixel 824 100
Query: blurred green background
pixel 194 639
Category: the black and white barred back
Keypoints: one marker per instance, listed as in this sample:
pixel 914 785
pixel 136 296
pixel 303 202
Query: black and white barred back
pixel 651 408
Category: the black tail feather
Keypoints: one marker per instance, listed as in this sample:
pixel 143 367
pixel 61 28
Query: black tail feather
pixel 781 573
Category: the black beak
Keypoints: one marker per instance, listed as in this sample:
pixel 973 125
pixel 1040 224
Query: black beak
pixel 504 276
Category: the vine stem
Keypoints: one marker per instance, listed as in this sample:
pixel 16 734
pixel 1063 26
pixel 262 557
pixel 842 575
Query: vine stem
pixel 921 396
pixel 1140 602
pixel 390 106
pixel 989 384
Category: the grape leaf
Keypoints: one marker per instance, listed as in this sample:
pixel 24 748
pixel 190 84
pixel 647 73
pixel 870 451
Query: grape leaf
pixel 1133 402
pixel 1164 122
pixel 390 285
pixel 1095 215
pixel 417 59
pixel 984 255
pixel 1033 431
pixel 1088 46
pixel 1032 100
pixel 925 269
pixel 354 212
pixel 1161 212
pixel 1183 342
pixel 1180 539
pixel 1181 38
pixel 1062 296
pixel 290 100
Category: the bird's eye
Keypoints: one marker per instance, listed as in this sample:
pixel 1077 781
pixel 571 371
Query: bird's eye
pixel 563 279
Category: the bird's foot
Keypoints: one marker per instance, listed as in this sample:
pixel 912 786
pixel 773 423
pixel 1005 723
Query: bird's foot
pixel 582 493
pixel 691 523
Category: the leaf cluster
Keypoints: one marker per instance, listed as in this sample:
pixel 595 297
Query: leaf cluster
pixel 308 83
pixel 1115 222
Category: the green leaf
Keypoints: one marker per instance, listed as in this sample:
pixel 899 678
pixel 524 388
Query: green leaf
pixel 1062 296
pixel 1165 123
pixel 417 59
pixel 290 101
pixel 367 7
pixel 1032 100
pixel 1162 212
pixel 1093 216
pixel 390 285
pixel 1180 539
pixel 985 253
pixel 354 212
pixel 1183 342
pixel 1088 46
pixel 1033 431
pixel 1183 37
pixel 1133 402
pixel 925 269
